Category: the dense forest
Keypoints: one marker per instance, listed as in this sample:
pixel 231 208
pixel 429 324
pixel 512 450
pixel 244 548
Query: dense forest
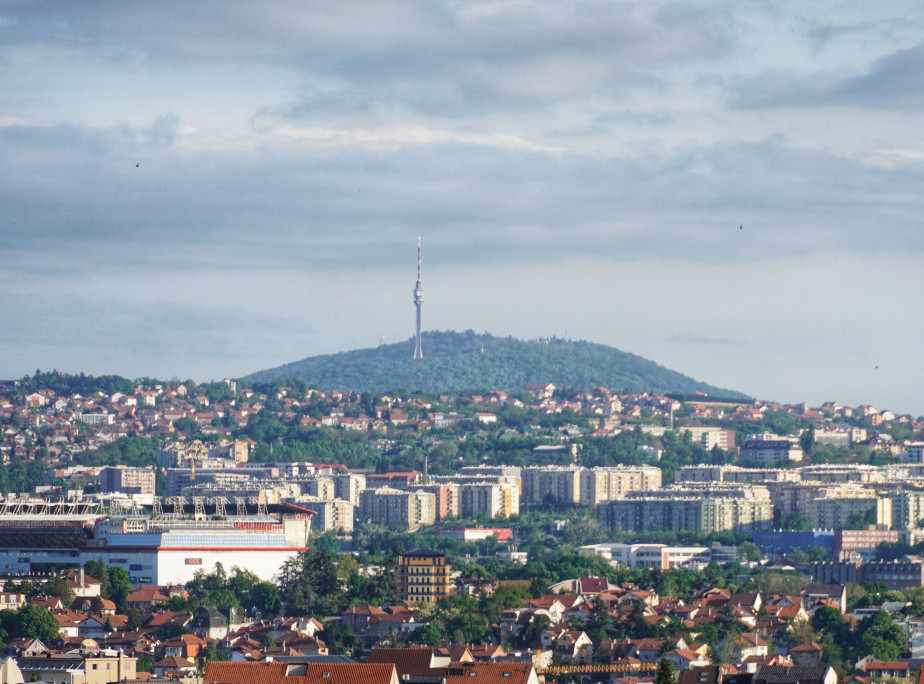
pixel 470 361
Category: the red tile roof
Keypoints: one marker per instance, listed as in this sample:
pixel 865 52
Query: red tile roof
pixel 299 673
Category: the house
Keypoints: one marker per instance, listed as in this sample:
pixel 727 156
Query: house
pixel 584 586
pixel 814 594
pixel 96 626
pixel 11 601
pixel 572 646
pixel 751 644
pixel 359 617
pixel 173 665
pixel 10 672
pixel 146 596
pixel 81 666
pixel 682 659
pixel 129 642
pixel 187 646
pixel 209 622
pixel 82 584
pixel 93 604
pixel 700 675
pixel 27 647
pixel 300 673
pixel 808 654
pixel 796 674
pixel 493 673
pixel 879 669
pixel 646 650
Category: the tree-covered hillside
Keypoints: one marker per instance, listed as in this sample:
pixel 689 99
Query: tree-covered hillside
pixel 469 361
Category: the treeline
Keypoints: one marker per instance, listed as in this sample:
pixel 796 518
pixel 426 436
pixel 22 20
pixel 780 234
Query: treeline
pixel 66 385
pixel 468 361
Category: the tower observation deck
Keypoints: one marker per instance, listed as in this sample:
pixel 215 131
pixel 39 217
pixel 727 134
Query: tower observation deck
pixel 418 300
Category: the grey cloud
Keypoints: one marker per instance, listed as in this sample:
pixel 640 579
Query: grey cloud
pixel 323 210
pixel 892 82
pixel 474 55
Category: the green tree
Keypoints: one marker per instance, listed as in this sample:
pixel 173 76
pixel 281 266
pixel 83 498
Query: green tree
pixel 145 663
pixel 98 570
pixel 265 596
pixel 665 674
pixel 120 587
pixel 34 622
pixel 342 640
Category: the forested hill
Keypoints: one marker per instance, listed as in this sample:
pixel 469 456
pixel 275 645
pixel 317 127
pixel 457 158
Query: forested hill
pixel 469 361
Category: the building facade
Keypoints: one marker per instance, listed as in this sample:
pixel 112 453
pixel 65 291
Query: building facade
pixel 423 576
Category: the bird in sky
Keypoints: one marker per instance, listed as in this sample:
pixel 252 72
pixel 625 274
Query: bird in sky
pixel 137 166
pixel 740 227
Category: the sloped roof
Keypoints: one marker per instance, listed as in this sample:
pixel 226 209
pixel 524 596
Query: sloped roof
pixel 490 673
pixel 299 673
pixel 407 661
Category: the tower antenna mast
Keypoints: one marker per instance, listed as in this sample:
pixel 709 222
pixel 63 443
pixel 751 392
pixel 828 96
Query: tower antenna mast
pixel 418 300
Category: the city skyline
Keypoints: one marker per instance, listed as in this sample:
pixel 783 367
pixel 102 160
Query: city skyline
pixel 733 190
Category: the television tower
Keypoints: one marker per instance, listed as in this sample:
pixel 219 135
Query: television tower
pixel 418 300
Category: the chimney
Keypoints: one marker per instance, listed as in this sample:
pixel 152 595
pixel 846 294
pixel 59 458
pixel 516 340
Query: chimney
pixel 81 577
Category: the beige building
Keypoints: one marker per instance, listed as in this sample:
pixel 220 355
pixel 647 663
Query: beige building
pixel 606 484
pixel 907 509
pixel 347 486
pixel 332 514
pixel 707 509
pixel 388 506
pixel 849 507
pixel 493 499
pixel 80 667
pixel 560 483
pixel 127 480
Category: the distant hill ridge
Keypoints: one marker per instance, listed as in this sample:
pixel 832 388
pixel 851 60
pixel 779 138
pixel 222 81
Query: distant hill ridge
pixel 455 361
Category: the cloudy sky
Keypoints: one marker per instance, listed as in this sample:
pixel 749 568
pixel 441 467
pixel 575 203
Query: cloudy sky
pixel 732 189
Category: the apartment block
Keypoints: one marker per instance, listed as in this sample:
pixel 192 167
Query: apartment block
pixel 605 484
pixel 388 506
pixel 126 480
pixel 423 576
pixel 559 483
pixel 707 509
pixel 492 499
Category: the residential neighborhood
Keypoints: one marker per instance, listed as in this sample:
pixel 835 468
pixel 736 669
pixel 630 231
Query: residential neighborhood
pixel 560 535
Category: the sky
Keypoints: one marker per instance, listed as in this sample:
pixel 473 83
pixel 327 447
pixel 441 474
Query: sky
pixel 734 190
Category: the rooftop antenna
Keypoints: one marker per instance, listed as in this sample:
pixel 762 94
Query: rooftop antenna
pixel 418 300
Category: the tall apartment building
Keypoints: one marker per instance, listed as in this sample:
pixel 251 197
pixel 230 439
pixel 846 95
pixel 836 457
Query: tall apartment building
pixel 493 499
pixel 735 474
pixel 502 473
pixel 331 514
pixel 833 473
pixel 907 509
pixel 605 484
pixel 347 486
pixel 706 509
pixel 127 480
pixel 423 576
pixel 560 483
pixel 321 487
pixel 849 506
pixel 770 449
pixel 388 506
pixel 708 437
pixel 447 498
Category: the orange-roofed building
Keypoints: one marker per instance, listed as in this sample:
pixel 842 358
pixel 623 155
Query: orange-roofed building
pixel 300 673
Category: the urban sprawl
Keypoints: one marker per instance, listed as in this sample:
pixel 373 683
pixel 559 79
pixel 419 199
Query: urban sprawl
pixel 220 534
